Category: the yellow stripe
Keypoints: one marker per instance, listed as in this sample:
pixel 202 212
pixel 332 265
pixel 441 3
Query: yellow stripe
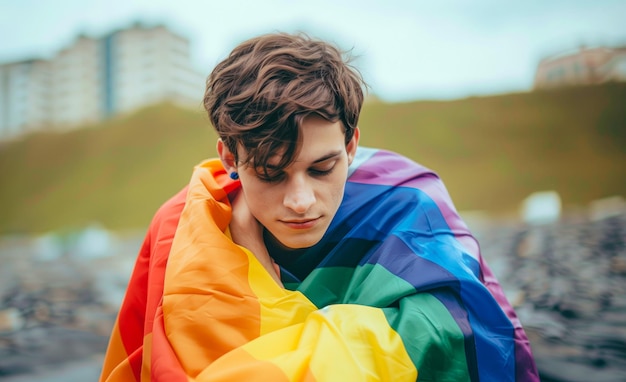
pixel 338 343
pixel 279 307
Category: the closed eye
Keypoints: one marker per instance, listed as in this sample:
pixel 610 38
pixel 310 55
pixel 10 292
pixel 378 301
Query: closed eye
pixel 321 172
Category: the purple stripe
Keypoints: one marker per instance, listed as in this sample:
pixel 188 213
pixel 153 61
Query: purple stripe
pixel 458 312
pixel 389 169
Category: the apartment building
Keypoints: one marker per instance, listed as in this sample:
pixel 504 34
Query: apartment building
pixel 23 97
pixel 96 78
pixel 76 84
pixel 584 66
pixel 147 66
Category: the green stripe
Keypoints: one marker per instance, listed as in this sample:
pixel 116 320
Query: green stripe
pixel 431 337
pixel 326 286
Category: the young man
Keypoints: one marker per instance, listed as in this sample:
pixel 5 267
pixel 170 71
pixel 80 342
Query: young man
pixel 297 255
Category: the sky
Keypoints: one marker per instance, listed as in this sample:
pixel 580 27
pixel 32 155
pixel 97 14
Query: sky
pixel 405 49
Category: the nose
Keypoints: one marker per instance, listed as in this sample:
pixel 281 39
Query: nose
pixel 299 195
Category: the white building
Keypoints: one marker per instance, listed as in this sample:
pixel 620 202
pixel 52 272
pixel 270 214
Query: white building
pixel 150 66
pixel 95 78
pixel 585 66
pixel 76 92
pixel 24 103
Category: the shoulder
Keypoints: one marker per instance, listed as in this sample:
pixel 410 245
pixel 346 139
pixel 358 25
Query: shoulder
pixel 386 171
pixel 386 167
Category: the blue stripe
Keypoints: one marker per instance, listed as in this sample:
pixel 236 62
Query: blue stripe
pixel 407 221
pixel 423 251
pixel 403 230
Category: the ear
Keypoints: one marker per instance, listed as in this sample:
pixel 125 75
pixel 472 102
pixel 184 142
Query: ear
pixel 353 144
pixel 226 156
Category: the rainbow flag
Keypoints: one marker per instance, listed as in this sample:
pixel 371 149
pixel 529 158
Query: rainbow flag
pixel 396 290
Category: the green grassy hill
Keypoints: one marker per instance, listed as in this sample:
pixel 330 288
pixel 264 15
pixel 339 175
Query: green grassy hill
pixel 491 152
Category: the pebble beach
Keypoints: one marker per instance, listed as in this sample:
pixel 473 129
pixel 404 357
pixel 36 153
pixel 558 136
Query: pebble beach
pixel 566 280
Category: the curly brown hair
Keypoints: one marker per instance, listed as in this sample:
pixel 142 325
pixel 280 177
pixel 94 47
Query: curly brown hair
pixel 260 94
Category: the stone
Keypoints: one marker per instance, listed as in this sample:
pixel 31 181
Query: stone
pixel 541 207
pixel 10 320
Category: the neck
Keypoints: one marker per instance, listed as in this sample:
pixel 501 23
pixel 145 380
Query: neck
pixel 282 255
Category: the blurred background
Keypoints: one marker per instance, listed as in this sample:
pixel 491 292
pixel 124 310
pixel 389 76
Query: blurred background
pixel 519 106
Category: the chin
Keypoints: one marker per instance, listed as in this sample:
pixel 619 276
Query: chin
pixel 299 242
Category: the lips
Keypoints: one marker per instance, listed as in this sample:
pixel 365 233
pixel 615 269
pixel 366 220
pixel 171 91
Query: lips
pixel 301 223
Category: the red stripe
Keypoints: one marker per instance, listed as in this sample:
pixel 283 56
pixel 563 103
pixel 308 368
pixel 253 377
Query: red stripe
pixel 164 365
pixel 145 288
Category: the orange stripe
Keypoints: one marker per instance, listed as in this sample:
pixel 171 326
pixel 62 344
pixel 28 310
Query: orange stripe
pixel 238 365
pixel 116 366
pixel 208 306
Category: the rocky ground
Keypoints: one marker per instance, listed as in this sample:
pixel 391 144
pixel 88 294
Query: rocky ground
pixel 567 281
pixel 58 302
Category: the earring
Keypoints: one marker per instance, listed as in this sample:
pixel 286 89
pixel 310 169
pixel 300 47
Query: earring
pixel 234 175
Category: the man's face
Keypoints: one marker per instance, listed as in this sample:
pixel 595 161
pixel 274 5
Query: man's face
pixel 298 204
